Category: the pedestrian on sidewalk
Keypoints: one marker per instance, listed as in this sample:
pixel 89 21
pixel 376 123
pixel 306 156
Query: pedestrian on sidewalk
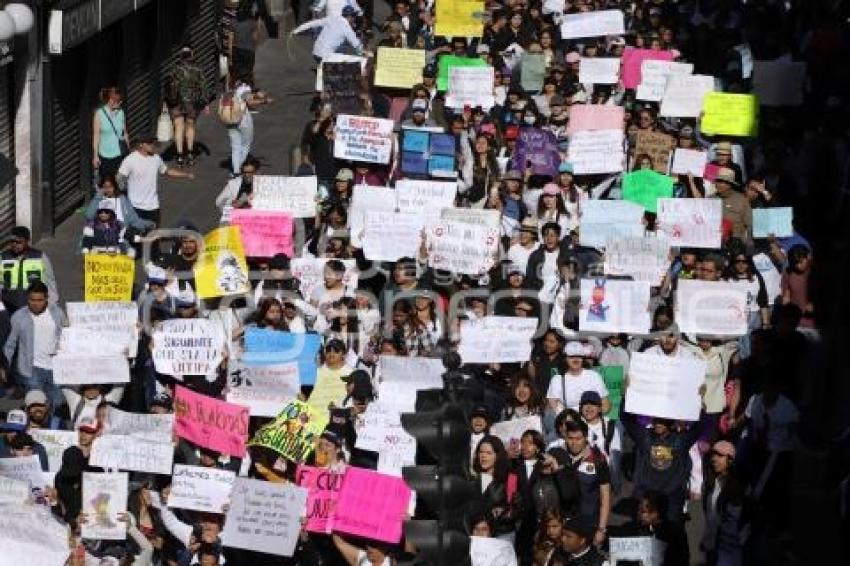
pixel 110 138
pixel 186 94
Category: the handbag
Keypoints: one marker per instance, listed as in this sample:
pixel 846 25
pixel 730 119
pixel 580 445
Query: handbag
pixel 122 143
pixel 164 127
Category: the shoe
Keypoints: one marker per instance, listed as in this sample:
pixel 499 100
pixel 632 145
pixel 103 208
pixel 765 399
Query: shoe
pixel 190 160
pixel 180 161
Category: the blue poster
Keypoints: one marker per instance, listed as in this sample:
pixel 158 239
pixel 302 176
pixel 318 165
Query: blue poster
pixel 415 141
pixel 442 165
pixel 263 346
pixel 443 144
pixel 414 163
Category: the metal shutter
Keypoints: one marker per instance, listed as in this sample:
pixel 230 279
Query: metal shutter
pixel 171 25
pixel 67 189
pixel 141 100
pixel 7 148
pixel 204 18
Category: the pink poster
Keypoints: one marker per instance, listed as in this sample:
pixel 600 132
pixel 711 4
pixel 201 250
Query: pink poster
pixel 595 117
pixel 211 423
pixel 371 505
pixel 711 171
pixel 264 233
pixel 322 493
pixel 634 58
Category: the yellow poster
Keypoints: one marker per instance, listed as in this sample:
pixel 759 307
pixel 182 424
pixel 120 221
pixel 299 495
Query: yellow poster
pixel 329 388
pixel 730 114
pixel 399 68
pixel 463 18
pixel 221 268
pixel 109 277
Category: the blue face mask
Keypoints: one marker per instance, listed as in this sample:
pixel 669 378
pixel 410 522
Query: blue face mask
pixel 529 120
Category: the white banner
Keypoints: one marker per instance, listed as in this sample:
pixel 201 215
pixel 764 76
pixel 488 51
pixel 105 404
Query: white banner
pixel 462 248
pixel 75 342
pixel 112 321
pixel 266 389
pixel 126 452
pixel 712 307
pixel 643 258
pixel 360 138
pixel 30 535
pixel 691 222
pixel 382 433
pixel 654 75
pixel 337 58
pixel 592 24
pixel 665 387
pixel 510 432
pixel 26 469
pixel 485 551
pixel 599 70
pixel 612 305
pixel 425 198
pixel 55 443
pixel 200 489
pixel 649 551
pixel 684 95
pixel 187 347
pixel 424 372
pixel 296 195
pixel 265 517
pixel 603 220
pixel 13 491
pixel 389 236
pixel 71 369
pixel 496 339
pixel 104 497
pixel 485 217
pixel 140 425
pixel 597 151
pixel 470 86
pixel 689 161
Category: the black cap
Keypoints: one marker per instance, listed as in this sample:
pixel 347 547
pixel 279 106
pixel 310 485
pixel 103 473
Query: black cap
pixel 580 526
pixel 362 391
pixel 336 344
pixel 591 397
pixel 480 411
pixel 279 262
pixel 332 437
pixel 21 232
pixel 430 70
pixel 161 400
pixel 146 138
pixel 356 377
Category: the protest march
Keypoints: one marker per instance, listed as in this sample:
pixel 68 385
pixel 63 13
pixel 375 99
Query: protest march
pixel 539 289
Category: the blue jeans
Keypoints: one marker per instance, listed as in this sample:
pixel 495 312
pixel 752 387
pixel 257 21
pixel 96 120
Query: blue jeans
pixel 43 379
pixel 241 138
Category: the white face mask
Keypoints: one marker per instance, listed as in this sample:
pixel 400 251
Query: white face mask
pixel 529 120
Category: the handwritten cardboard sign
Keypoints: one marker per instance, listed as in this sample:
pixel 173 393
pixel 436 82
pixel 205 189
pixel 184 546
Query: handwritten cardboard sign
pixel 109 277
pixel 360 138
pixel 217 425
pixel 371 505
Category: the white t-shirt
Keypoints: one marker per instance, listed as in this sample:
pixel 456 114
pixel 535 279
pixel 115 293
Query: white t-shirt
pixel 587 380
pixel 518 255
pixel 142 172
pixel 596 437
pixel 243 91
pixel 44 340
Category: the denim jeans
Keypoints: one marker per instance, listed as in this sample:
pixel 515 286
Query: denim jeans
pixel 43 379
pixel 241 138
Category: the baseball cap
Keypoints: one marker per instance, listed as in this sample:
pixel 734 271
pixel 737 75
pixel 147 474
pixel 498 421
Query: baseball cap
pixel 344 174
pixel 88 424
pixel 511 132
pixel 35 397
pixel 591 397
pixel 419 105
pixel 580 526
pixel 357 376
pixel 566 167
pixel 726 175
pixel 161 399
pixel 724 448
pixel 362 391
pixel 574 349
pixel 16 420
pixel 348 11
pixel 106 204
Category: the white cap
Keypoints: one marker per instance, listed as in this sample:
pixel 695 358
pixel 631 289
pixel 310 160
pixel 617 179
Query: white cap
pixel 575 349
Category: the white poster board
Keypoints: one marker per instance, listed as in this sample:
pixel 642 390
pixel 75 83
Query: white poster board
pixel 665 387
pixel 30 535
pixel 599 70
pixel 712 307
pixel 654 75
pixel 361 138
pixel 187 347
pixel 13 491
pixel 296 195
pixel 689 161
pixel 365 199
pixel 113 320
pixel 496 339
pixel 603 220
pixel 55 442
pixel 200 489
pixel 778 221
pixel 612 305
pixel 643 258
pixel 592 24
pixel 462 248
pixel 26 469
pixel 691 222
pixel 104 497
pixel 486 551
pixel 265 389
pixel 389 236
pixel 425 198
pixel 596 151
pixel 70 369
pixel 649 551
pixel 470 86
pixel 510 432
pixel 684 94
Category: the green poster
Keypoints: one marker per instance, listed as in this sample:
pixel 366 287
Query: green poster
pixel 613 377
pixel 645 187
pixel 448 61
pixel 532 72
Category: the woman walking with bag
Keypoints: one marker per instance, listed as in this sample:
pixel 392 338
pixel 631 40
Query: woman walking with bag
pixel 110 139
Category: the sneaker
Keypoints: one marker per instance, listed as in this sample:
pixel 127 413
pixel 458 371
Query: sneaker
pixel 190 160
pixel 180 161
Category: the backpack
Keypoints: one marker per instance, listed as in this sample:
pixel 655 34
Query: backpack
pixel 231 108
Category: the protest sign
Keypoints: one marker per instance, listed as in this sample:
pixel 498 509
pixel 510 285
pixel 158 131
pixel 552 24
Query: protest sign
pixel 264 233
pixel 71 369
pixel 26 469
pixel 779 83
pixel 496 339
pixel 602 220
pixel 462 18
pixel 295 195
pixel 613 377
pixel 470 86
pixel 108 277
pixel 487 551
pixel 592 24
pixel 594 152
pixel 633 63
pixel 654 76
pixel 30 535
pixel 690 222
pixel 773 221
pixel 104 498
pixel 187 347
pixel 642 258
pixel 310 270
pixel 730 114
pixel 337 58
pixel 590 117
pixel 399 68
pixel 371 505
pixel 55 442
pixel 648 551
pixel 383 433
pixel 267 346
pixel 425 198
pixel 211 423
pixel 538 149
pixel 132 453
pixel 658 147
pixel 293 434
pixel 645 187
pixel 447 62
pixel 360 138
pixel 615 306
pixel 427 153
pixel 689 161
pixel 684 95
pixel 462 248
pixel 532 71
pixel 13 491
pixel 510 432
pixel 598 70
pixel 200 488
pixel 221 269
pixel 664 386
pixel 264 389
pixel 328 390
pixel 712 307
pixel 474 216
pixel 106 323
pixel 389 236
pixel 423 373
pixel 341 86
pixel 771 276
pixel 140 425
pixel 264 517
pixel 76 342
pixel 322 487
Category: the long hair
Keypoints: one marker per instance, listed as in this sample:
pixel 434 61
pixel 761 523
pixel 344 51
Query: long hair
pixel 501 467
pixel 535 401
pixel 265 305
pixel 108 92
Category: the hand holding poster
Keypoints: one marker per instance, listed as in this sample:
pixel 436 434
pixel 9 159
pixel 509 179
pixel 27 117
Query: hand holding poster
pixel 773 221
pixel 392 235
pixel 139 425
pixel 654 77
pixel 265 389
pixel 644 258
pixel 399 68
pixel 112 322
pixel 730 114
pixel 611 305
pixel 712 307
pixel 592 24
pixel 323 487
pixel 510 432
pixel 371 505
pixel 689 161
pixel 264 233
pixel 264 516
pixel 665 387
pixel 221 268
pixel 690 222
pixel 448 62
pixel 187 347
pixel 532 67
pixel 496 339
pixel 80 370
pixel 337 58
pixel 109 277
pixel 470 86
pixel 293 434
pixel 360 138
pixel 135 442
pixel 536 148
pixel 200 488
pixel 104 498
pixel 295 195
pixel 658 147
pixel 422 373
pixel 599 70
pixel 647 188
pixel 210 423
pixel 310 270
pixel 594 152
pixel 462 248
pixel 427 153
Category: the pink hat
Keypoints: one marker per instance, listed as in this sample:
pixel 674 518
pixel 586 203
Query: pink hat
pixel 724 448
pixel 573 57
pixel 551 189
